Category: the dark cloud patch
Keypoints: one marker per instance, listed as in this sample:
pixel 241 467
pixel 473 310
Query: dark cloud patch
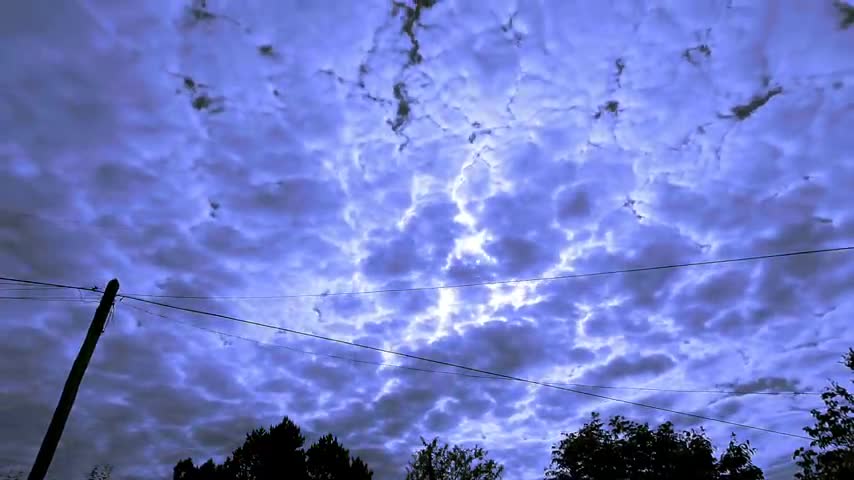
pixel 295 202
pixel 385 328
pixel 346 305
pixel 630 367
pixel 620 320
pixel 228 244
pixel 470 299
pixel 638 246
pixel 573 205
pixel 470 269
pixel 767 384
pixel 440 420
pixel 415 303
pixel 506 213
pixel 533 169
pixel 516 255
pixel 558 407
pixel 728 408
pixel 527 460
pixel 732 323
pixel 435 221
pixel 396 258
pixel 220 436
pixel 28 248
pixel 521 239
pixel 419 249
pixel 513 346
pixel 722 287
pixel 650 415
pixel 195 282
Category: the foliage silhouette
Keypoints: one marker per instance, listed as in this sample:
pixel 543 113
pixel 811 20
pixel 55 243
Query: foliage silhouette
pixel 101 472
pixel 434 462
pixel 704 49
pixel 742 112
pixel 831 453
pixel 626 450
pixel 278 453
pixel 411 19
pixel 846 14
pixel 329 460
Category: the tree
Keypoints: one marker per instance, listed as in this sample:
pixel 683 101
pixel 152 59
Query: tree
pixel 184 470
pixel 211 471
pixel 329 460
pixel 265 454
pixel 831 452
pixel 101 472
pixel 632 451
pixel 276 454
pixel 434 462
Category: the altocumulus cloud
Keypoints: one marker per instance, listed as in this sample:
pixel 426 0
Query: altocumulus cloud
pixel 518 140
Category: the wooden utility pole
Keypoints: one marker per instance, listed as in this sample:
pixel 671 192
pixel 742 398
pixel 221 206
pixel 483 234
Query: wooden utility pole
pixel 75 376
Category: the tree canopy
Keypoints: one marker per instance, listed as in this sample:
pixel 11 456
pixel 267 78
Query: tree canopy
pixel 443 462
pixel 278 453
pixel 831 453
pixel 623 449
pixel 620 449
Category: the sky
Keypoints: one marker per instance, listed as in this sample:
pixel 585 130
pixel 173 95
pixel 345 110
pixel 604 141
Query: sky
pixel 270 148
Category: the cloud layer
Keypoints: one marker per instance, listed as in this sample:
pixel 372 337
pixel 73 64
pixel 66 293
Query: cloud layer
pixel 177 154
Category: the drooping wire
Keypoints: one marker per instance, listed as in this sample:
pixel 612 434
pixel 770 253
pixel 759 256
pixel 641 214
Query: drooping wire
pixel 450 286
pixel 461 374
pixel 500 282
pixel 47 299
pixel 306 352
pixel 462 367
pixel 19 281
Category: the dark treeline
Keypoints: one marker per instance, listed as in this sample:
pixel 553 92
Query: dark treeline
pixel 618 449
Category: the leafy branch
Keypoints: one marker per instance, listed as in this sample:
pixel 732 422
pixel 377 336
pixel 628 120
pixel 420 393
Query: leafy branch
pixel 702 49
pixel 742 112
pixel 846 11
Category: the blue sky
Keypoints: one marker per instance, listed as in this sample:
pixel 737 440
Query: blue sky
pixel 532 138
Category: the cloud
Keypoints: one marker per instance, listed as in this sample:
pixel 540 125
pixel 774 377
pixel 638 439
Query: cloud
pixel 503 170
pixel 630 367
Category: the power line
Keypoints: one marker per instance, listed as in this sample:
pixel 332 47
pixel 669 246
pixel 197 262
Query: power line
pixel 307 352
pixel 18 287
pixel 502 282
pixel 461 367
pixel 461 374
pixel 49 299
pixel 451 286
pixel 48 284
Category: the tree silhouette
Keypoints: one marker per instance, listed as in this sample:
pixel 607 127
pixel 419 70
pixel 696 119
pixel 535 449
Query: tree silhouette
pixel 276 454
pixel 329 460
pixel 831 453
pixel 434 462
pixel 627 450
pixel 101 472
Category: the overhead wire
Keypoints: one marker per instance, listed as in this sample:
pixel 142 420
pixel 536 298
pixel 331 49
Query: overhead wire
pixel 462 367
pixel 449 286
pixel 138 298
pixel 461 374
pixel 500 282
pixel 48 284
pixel 49 299
pixel 306 352
pixel 27 289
